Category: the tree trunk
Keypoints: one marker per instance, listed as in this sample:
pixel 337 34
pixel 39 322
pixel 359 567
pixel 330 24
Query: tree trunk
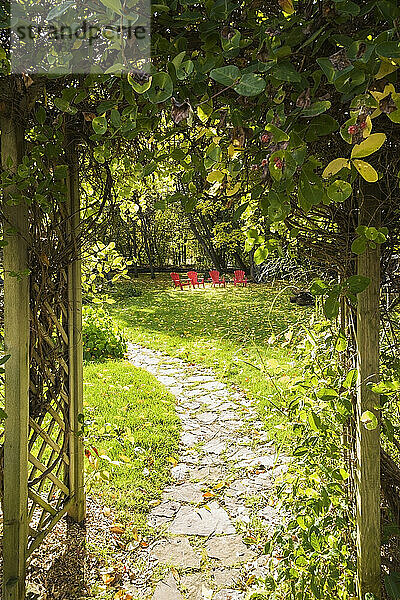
pixel 205 244
pixel 135 258
pixel 146 242
pixel 368 440
pixel 240 263
pixel 16 338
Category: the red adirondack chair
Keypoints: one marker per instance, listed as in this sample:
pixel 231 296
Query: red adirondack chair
pixel 216 279
pixel 192 275
pixel 240 277
pixel 177 281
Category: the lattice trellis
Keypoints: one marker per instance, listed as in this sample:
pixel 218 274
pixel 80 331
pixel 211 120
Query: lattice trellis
pixel 49 428
pixel 43 454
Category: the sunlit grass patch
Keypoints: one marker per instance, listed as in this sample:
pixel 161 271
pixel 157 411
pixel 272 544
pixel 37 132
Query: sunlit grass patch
pixel 239 332
pixel 132 424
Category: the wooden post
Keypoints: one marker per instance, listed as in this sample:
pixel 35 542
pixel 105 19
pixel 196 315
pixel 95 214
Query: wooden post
pixel 368 441
pixel 16 338
pixel 77 512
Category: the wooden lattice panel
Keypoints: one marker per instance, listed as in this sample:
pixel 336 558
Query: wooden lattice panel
pixel 49 429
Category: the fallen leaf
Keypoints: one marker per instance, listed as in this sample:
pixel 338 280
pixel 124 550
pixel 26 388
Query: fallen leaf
pixel 117 528
pixel 208 495
pixel 106 511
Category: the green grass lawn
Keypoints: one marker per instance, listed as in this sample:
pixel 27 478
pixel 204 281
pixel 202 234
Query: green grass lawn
pixel 132 421
pixel 242 333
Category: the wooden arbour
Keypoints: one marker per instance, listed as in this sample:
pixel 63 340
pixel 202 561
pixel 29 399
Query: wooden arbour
pixel 42 448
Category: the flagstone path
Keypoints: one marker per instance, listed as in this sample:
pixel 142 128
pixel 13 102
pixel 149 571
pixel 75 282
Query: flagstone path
pixel 204 547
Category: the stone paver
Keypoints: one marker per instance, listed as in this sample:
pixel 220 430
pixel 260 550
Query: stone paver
pixel 186 492
pixel 229 550
pixel 197 529
pixel 177 552
pixel 203 521
pixel 167 589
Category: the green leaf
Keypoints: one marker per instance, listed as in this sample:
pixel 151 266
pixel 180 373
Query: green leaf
pixel 231 44
pixel 161 88
pixel 62 104
pixel 40 115
pixel 358 283
pixel 316 109
pixel 260 255
pixel 139 89
pixel 278 134
pixel 359 245
pixel 227 76
pixel 366 170
pixel 285 71
pixel 388 49
pixel 314 421
pixel 369 420
pixel 348 8
pixel 318 287
pixel 390 10
pixel 4 359
pixel 239 211
pixel 321 125
pixel 185 70
pixel 99 124
pixel 250 85
pixel 178 59
pixel 114 5
pixel 315 542
pixel 371 144
pixel 331 306
pixel 339 191
pixel 341 342
pixel 190 203
pixel 57 11
pixel 392 585
pixel 395 116
pixel 115 118
pixel 327 68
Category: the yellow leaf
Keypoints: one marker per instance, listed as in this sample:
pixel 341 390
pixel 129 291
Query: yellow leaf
pixel 386 92
pixel 215 176
pixel 106 511
pixel 219 485
pixel 370 145
pixel 117 528
pixel 126 459
pixel 204 110
pixel 335 166
pixel 234 151
pixel 368 128
pixel 232 191
pixel 366 170
pixel 286 6
pixel 385 69
pixel 376 113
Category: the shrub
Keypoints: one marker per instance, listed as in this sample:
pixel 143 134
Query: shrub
pixel 101 337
